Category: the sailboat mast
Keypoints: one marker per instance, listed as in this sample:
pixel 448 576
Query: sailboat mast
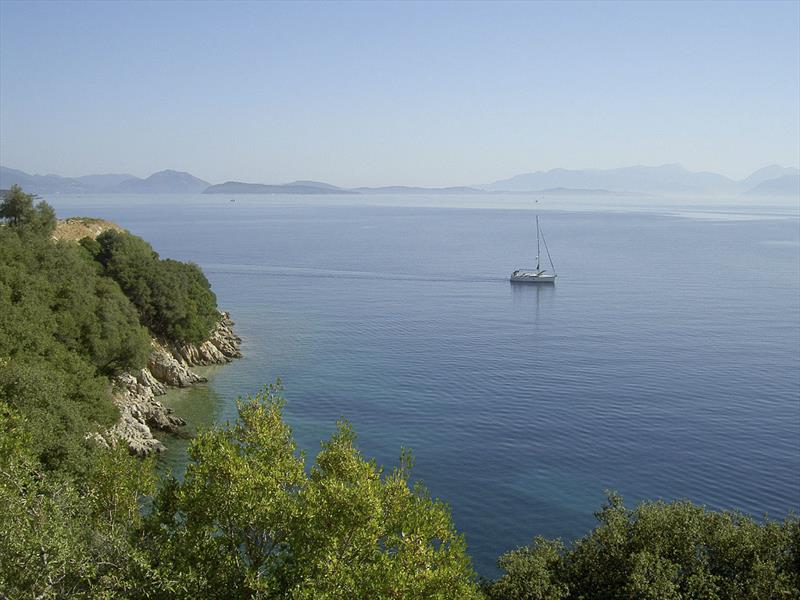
pixel 537 243
pixel 550 258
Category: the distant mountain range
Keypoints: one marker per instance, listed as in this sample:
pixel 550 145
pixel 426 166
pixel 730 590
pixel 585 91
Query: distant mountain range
pixel 788 185
pixel 666 179
pixel 663 180
pixel 163 182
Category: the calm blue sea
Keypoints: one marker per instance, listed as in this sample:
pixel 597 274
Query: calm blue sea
pixel 665 362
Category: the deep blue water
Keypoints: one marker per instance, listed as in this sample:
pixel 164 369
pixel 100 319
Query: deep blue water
pixel 665 362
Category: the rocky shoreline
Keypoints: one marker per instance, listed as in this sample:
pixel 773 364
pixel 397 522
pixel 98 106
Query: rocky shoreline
pixel 135 394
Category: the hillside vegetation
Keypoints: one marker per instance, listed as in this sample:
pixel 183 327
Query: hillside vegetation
pixel 73 315
pixel 252 518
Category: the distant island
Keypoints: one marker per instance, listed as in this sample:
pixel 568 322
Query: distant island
pixel 664 180
pixel 297 187
pixel 405 189
pixel 163 182
pixel 316 187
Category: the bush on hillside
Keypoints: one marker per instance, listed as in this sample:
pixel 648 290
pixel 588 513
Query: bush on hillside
pixel 64 329
pixel 69 537
pixel 174 299
pixel 659 551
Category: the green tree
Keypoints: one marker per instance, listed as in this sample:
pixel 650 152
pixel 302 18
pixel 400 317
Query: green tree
pixel 174 299
pixel 660 551
pixel 64 328
pixel 17 206
pixel 18 209
pixel 62 537
pixel 249 521
pixel 61 404
pixel 91 245
pixel 534 572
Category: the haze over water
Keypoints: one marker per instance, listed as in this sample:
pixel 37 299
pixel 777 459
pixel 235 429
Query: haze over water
pixel 664 363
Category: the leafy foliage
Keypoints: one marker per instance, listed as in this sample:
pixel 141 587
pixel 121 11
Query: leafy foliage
pixel 66 323
pixel 174 299
pixel 660 551
pixel 62 537
pixel 249 520
pixel 63 329
pixel 18 209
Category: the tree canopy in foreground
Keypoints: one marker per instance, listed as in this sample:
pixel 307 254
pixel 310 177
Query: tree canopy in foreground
pixel 659 551
pixel 250 519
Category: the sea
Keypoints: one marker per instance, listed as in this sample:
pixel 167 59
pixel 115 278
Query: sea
pixel 663 364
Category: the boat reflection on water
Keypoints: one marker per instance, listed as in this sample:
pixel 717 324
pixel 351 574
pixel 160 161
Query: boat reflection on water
pixel 528 295
pixel 528 300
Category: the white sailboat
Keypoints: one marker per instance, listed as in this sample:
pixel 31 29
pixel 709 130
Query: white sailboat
pixel 537 275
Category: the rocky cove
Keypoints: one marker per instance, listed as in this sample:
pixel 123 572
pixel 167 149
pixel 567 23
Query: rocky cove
pixel 136 394
pixel 169 365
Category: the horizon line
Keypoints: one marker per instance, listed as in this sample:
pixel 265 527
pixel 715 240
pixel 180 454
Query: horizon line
pixel 410 185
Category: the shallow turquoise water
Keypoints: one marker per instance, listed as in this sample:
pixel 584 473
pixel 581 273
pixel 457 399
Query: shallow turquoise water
pixel 665 363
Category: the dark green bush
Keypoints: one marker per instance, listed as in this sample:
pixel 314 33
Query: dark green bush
pixel 174 299
pixel 64 328
pixel 659 551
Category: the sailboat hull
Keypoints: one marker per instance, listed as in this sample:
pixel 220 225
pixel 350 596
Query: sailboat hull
pixel 532 277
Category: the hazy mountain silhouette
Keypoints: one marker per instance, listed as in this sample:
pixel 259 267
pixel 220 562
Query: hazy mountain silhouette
pixel 317 184
pixel 787 185
pixel 163 182
pixel 670 179
pixel 767 173
pixel 406 189
pixel 41 184
pixel 296 187
pixel 106 181
pixel 666 179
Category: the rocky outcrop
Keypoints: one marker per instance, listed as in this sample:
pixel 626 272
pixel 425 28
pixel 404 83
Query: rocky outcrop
pixel 170 369
pixel 220 348
pixel 139 411
pixel 146 378
pixel 76 228
pixel 168 366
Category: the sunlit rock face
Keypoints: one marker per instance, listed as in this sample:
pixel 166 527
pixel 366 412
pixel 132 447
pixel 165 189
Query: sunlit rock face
pixel 169 366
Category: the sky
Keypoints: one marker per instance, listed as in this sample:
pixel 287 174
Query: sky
pixel 370 93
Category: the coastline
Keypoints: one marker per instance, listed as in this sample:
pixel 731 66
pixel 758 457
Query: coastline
pixel 169 366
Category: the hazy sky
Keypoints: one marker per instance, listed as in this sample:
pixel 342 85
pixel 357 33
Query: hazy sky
pixel 384 93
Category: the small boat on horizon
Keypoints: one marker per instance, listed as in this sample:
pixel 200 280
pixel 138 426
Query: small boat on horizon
pixel 537 275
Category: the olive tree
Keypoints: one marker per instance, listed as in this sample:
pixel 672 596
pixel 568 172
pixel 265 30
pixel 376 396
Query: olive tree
pixel 249 520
